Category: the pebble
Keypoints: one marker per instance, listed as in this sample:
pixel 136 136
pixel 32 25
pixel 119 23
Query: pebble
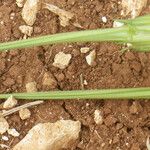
pixel 91 58
pixel 20 3
pixel 24 113
pixel 10 103
pixel 4 126
pixel 104 19
pixel 98 117
pixel 117 24
pixel 13 132
pixel 31 87
pixel 27 30
pixel 30 11
pixel 85 50
pixel 5 138
pixel 62 60
pixel 54 136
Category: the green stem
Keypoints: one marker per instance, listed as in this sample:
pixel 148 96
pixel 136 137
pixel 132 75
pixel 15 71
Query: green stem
pixel 114 34
pixel 127 93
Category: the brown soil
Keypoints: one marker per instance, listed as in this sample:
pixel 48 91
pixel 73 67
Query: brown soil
pixel 126 126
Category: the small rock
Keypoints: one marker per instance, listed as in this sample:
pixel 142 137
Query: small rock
pixel 62 60
pixel 104 19
pixel 27 30
pixel 85 50
pixel 30 11
pixel 20 3
pixel 133 7
pixel 148 143
pixel 12 15
pixel 135 108
pixel 31 87
pixel 10 103
pixel 50 136
pixel 91 58
pixel 5 138
pixel 4 126
pixel 64 16
pixel 3 146
pixel 24 113
pixel 49 80
pixel 98 117
pixel 117 24
pixel 13 132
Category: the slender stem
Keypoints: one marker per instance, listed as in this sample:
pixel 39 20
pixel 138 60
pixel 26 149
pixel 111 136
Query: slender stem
pixel 118 35
pixel 129 93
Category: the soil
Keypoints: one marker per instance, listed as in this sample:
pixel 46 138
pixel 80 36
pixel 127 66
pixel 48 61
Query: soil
pixel 126 123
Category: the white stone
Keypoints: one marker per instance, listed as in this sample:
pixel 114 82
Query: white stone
pixel 98 117
pixel 5 138
pixel 20 3
pixel 4 126
pixel 30 11
pixel 24 113
pixel 104 19
pixel 50 136
pixel 12 15
pixel 85 50
pixel 117 24
pixel 27 30
pixel 13 132
pixel 10 103
pixel 133 7
pixel 31 87
pixel 62 60
pixel 148 143
pixel 64 16
pixel 91 58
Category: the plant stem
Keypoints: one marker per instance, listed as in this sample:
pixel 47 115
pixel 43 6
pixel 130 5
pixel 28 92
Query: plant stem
pixel 127 93
pixel 114 34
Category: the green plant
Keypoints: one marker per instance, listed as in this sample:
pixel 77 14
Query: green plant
pixel 135 31
pixel 128 93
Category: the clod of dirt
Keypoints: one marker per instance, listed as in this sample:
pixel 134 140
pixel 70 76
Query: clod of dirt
pixel 31 87
pixel 64 16
pixel 24 113
pixel 4 126
pixel 85 50
pixel 90 59
pixel 62 60
pixel 133 7
pixel 20 3
pixel 98 117
pixel 135 108
pixel 13 132
pixel 30 10
pixel 49 80
pixel 10 103
pixel 54 136
pixel 110 120
pixel 26 30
